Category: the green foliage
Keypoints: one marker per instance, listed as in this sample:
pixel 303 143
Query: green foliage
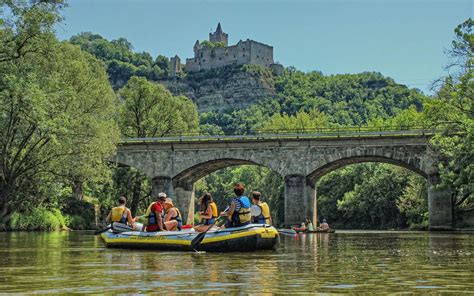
pixel 122 62
pixel 264 73
pixel 79 214
pixel 57 113
pixel 414 204
pixel 299 123
pixel 363 196
pixel 38 219
pixel 349 99
pixel 149 110
pixel 222 73
pixel 453 112
pixel 211 45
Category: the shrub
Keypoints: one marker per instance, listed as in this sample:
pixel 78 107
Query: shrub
pixel 38 219
pixel 80 213
pixel 78 222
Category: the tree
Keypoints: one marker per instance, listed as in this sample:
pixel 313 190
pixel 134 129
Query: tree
pixel 414 204
pixel 452 112
pixel 57 109
pixel 299 123
pixel 149 110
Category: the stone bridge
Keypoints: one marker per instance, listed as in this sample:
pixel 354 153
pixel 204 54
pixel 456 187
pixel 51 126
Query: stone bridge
pixel 175 164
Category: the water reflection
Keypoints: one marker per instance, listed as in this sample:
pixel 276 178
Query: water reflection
pixel 358 262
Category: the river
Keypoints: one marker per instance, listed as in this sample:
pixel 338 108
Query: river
pixel 347 261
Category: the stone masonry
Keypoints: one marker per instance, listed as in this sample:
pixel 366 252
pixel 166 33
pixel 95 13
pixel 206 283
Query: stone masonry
pixel 242 53
pixel 174 166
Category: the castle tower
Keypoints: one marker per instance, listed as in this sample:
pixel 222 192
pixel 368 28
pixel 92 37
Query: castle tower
pixel 219 35
pixel 175 66
pixel 197 47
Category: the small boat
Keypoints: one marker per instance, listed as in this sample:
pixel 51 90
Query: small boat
pixel 250 237
pixel 330 230
pixel 305 230
pixel 287 231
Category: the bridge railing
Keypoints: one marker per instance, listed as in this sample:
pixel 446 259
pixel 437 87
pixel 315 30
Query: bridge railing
pixel 300 133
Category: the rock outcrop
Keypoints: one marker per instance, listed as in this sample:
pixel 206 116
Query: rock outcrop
pixel 224 88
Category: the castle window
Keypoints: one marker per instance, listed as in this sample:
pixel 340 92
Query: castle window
pixel 201 54
pixel 220 59
pixel 234 55
pixel 243 55
pixel 204 60
pixel 257 56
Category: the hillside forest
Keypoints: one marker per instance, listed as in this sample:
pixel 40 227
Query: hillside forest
pixel 65 106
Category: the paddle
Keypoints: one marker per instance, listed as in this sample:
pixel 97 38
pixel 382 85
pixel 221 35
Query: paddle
pixel 102 230
pixel 198 239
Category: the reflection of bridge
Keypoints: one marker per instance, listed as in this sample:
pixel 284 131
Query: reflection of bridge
pixel 176 163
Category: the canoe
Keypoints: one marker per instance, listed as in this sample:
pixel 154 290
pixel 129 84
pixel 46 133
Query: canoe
pixel 247 238
pixel 300 230
pixel 287 231
pixel 330 230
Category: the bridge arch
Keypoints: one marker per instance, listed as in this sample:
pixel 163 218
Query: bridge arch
pixel 439 207
pixel 183 182
pixel 200 170
pixel 319 172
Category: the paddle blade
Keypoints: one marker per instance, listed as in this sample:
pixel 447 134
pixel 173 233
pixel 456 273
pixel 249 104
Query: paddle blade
pixel 198 239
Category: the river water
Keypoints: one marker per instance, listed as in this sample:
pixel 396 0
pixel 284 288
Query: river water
pixel 350 261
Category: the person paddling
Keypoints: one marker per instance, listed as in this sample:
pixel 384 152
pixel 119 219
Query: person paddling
pixel 154 220
pixel 238 213
pixel 121 214
pixel 206 213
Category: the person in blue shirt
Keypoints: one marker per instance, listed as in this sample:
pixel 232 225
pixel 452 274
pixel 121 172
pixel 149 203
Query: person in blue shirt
pixel 238 213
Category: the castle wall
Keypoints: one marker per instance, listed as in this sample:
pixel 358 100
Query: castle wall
pixel 244 52
pixel 261 54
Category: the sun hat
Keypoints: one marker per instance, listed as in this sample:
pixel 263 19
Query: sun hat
pixel 169 201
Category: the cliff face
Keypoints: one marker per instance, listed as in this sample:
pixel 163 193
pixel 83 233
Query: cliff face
pixel 225 88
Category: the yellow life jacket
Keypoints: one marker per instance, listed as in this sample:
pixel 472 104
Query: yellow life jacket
pixel 264 217
pixel 151 217
pixel 119 215
pixel 214 209
pixel 265 212
pixel 243 214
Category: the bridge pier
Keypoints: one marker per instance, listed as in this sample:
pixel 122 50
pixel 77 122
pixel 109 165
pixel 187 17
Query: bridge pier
pixel 440 207
pixel 299 197
pixel 183 193
pixel 162 184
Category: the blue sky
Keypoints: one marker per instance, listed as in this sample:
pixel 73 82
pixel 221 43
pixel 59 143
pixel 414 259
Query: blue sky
pixel 403 39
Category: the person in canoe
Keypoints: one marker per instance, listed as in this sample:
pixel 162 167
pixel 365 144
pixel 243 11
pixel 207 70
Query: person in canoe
pixel 264 216
pixel 309 225
pixel 154 219
pixel 238 212
pixel 323 226
pixel 207 212
pixel 173 220
pixel 121 214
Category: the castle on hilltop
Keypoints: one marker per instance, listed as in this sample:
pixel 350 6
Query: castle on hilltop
pixel 217 53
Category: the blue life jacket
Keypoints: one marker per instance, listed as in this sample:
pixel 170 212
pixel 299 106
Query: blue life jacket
pixel 242 216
